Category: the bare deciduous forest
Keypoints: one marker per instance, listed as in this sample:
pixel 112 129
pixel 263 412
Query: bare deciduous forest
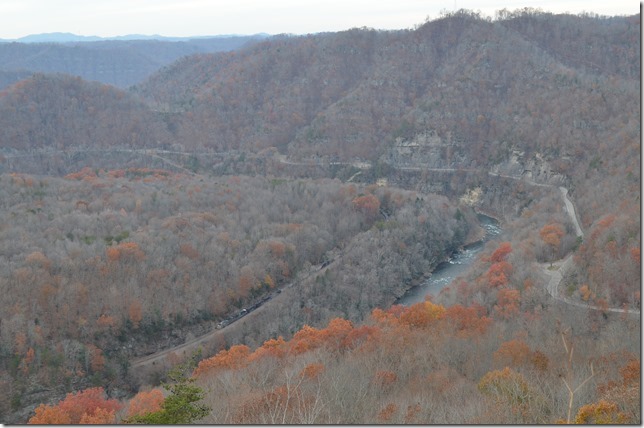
pixel 282 196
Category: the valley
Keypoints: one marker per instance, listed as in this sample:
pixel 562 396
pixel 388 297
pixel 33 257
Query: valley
pixel 261 213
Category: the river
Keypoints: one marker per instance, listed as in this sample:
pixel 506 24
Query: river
pixel 458 264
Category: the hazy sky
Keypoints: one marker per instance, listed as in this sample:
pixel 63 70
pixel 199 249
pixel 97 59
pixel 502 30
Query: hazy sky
pixel 212 17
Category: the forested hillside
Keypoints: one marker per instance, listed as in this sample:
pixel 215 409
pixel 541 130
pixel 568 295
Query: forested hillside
pixel 110 265
pixel 57 111
pixel 352 93
pixel 317 178
pixel 489 91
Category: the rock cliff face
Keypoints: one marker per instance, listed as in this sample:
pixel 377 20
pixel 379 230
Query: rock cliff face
pixel 540 170
pixel 433 164
pixel 425 150
pixel 428 150
pixel 535 168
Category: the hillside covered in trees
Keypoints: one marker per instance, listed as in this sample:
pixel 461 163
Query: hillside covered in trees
pixel 318 178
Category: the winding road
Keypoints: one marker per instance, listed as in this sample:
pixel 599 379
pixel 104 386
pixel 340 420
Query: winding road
pixel 558 269
pixel 555 271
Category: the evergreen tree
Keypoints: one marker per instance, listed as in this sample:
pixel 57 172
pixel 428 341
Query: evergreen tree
pixel 182 405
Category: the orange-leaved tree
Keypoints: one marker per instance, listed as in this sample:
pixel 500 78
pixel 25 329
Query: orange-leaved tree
pixel 508 303
pixel 603 412
pixel 468 322
pixel 501 253
pixel 233 358
pixel 498 274
pixel 50 415
pixel 86 405
pixel 551 235
pixel 513 353
pixel 145 402
pixel 422 314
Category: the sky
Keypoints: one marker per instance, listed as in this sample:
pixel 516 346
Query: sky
pixel 181 18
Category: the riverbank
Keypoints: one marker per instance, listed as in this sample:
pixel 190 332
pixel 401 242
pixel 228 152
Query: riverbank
pixel 455 264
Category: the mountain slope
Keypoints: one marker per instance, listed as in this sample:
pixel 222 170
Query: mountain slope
pixel 459 92
pixel 353 93
pixel 60 111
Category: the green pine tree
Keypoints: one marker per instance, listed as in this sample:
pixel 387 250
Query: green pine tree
pixel 182 405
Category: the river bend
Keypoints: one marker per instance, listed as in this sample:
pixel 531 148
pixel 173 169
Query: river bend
pixel 456 265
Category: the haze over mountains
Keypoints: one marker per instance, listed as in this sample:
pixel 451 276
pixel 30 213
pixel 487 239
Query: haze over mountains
pixel 75 38
pixel 119 61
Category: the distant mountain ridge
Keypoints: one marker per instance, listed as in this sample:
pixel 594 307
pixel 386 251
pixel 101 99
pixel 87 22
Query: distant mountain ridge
pixel 60 37
pixel 121 61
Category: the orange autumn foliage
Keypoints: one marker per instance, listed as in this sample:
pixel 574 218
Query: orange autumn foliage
pixel 97 360
pixel 89 406
pixel 498 273
pixel 135 312
pixel 512 353
pixel 233 358
pixel 189 251
pixel 631 372
pixel 333 337
pixel 389 316
pixel 387 412
pixel 359 336
pixel 99 417
pixel 505 385
pixel 37 258
pixel 49 415
pixel 312 371
pixel 145 402
pixel 126 251
pixel 551 235
pixel 335 334
pixel 468 322
pixel 271 348
pixel 412 411
pixel 586 293
pixel 636 255
pixel 20 343
pixel 422 314
pixel 277 248
pixel 131 250
pixel 602 412
pixel 501 253
pixel 307 338
pixel 113 254
pixel 80 175
pixel 369 205
pixel 106 321
pixel 540 361
pixel 27 360
pixel 507 303
pixel 87 402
